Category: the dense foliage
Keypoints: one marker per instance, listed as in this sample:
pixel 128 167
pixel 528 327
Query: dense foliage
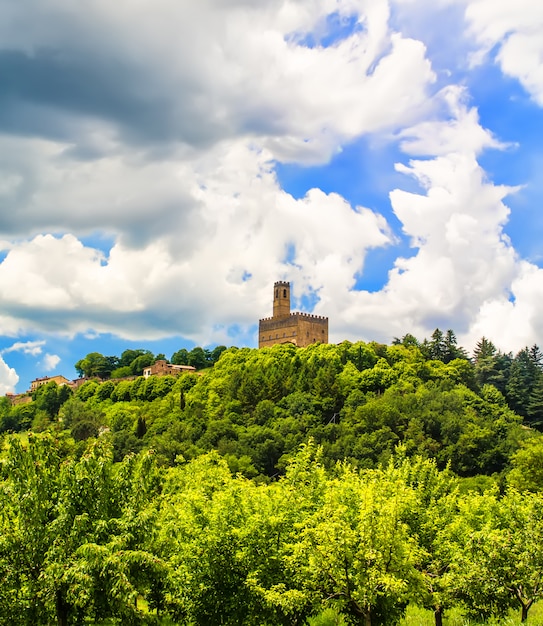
pixel 85 537
pixel 357 400
pixel 133 361
pixel 279 486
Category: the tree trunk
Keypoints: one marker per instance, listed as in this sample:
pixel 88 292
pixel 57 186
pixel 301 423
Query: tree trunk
pixel 438 616
pixel 63 609
pixel 524 614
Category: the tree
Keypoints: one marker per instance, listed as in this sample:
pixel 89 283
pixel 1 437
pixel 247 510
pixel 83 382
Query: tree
pixel 484 349
pixel 437 346
pixel 452 350
pixel 130 355
pixel 215 354
pixel 96 365
pixel 524 374
pixel 499 552
pixel 50 397
pixel 73 538
pixel 181 357
pixel 527 466
pixel 140 362
pixel 82 419
pixel 407 341
pixel 198 358
pixel 356 549
pixel 534 408
pixel 433 509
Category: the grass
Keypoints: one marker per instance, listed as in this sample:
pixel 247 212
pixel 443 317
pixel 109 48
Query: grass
pixel 416 616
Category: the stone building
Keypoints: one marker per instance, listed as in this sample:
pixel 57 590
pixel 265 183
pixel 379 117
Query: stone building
pixel 163 368
pixel 301 329
pixel 38 382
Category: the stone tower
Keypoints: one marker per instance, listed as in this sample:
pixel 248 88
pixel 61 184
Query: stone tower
pixel 281 299
pixel 301 329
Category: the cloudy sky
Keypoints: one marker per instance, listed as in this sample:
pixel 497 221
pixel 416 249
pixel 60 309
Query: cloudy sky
pixel 163 162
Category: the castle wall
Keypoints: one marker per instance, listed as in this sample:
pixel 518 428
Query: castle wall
pixel 312 329
pixel 301 329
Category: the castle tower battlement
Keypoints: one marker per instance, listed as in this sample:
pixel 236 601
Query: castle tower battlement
pixel 301 329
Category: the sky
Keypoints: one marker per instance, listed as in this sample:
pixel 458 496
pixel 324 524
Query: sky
pixel 164 162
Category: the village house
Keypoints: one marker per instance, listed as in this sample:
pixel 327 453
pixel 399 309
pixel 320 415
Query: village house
pixel 163 368
pixel 38 382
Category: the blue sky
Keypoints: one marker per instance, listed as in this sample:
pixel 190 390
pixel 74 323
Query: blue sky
pixel 163 163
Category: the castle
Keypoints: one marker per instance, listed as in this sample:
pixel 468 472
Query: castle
pixel 301 329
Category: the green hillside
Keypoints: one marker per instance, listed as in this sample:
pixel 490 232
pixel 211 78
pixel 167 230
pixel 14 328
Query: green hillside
pixel 334 484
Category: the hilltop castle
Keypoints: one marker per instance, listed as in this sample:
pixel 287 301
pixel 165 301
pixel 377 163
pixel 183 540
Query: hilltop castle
pixel 301 329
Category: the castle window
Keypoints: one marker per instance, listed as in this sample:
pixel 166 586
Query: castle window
pixel 276 293
pixel 284 334
pixel 284 293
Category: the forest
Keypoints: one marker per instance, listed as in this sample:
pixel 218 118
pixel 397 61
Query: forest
pixel 333 484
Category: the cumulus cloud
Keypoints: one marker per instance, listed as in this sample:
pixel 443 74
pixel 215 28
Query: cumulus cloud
pixel 34 348
pixel 251 228
pixel 8 378
pixel 465 272
pixel 165 72
pixel 50 362
pixel 515 30
pixel 161 125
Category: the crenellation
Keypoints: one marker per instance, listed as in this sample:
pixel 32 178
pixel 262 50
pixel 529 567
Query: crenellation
pixel 299 328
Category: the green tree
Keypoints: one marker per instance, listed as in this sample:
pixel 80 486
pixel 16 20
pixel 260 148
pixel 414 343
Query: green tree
pixel 434 507
pixel 527 466
pixel 452 349
pixel 534 407
pixel 198 358
pixel 356 549
pixel 72 538
pixel 140 362
pixel 50 397
pixel 524 374
pixel 181 357
pixel 96 365
pixel 499 552
pixel 484 349
pixel 130 355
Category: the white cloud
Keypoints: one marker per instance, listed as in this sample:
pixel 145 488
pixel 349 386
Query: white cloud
pixel 461 133
pixel 50 361
pixel 8 378
pixel 249 225
pixel 516 29
pixel 163 129
pixel 465 274
pixel 34 348
pixel 199 73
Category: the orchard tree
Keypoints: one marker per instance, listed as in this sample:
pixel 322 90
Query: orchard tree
pixel 73 537
pixel 497 543
pixel 433 509
pixel 356 549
